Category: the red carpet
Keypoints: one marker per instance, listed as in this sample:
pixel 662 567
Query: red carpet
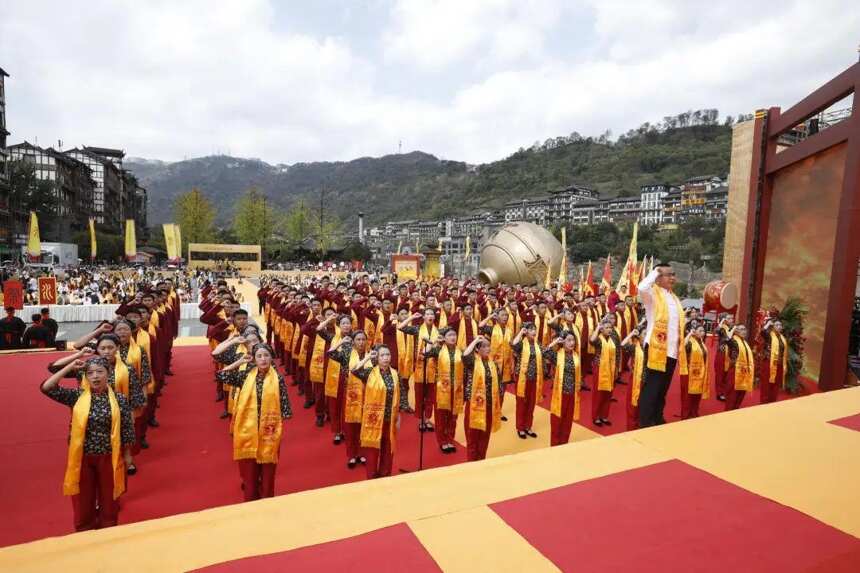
pixel 189 466
pixel 850 422
pixel 391 549
pixel 702 523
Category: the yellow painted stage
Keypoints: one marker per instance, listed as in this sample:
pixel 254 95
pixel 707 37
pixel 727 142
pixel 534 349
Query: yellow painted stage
pixel 786 452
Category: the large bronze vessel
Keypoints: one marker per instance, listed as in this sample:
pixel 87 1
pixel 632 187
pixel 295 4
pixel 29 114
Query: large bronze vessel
pixel 519 254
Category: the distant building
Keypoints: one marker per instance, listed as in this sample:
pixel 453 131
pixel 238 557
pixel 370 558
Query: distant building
pixel 72 186
pixel 717 203
pixel 108 192
pixel 672 207
pixel 624 209
pixel 651 203
pixel 5 207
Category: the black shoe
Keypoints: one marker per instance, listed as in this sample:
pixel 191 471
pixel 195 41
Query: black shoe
pixel 598 422
pixel 606 422
pixel 352 463
pixel 504 418
pixel 308 404
pixel 169 373
pixel 301 391
pixel 585 388
pixel 622 382
pixel 144 445
pixel 444 448
pixel 721 398
pixel 224 414
pixel 320 421
pixel 613 399
pixel 522 435
pixel 531 434
pixel 153 423
pixel 131 470
pixel 338 438
pixel 429 428
pixel 294 383
pixel 219 398
pixel 362 460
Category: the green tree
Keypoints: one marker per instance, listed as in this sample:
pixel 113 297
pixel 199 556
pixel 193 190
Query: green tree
pixel 29 193
pixel 255 218
pixel 196 217
pixel 296 224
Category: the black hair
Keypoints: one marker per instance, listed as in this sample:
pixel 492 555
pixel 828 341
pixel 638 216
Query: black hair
pixel 240 312
pixel 108 336
pixel 36 317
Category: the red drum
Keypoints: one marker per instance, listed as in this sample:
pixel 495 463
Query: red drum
pixel 720 296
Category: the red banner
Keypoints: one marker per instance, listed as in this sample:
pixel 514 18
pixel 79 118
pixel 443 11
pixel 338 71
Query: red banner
pixel 47 290
pixel 13 294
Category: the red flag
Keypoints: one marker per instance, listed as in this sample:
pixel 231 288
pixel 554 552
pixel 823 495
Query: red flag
pixel 606 282
pixel 590 287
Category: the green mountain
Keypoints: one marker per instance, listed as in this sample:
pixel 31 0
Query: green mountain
pixel 419 185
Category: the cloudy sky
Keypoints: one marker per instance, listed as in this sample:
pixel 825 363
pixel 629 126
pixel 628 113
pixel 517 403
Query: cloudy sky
pixel 473 80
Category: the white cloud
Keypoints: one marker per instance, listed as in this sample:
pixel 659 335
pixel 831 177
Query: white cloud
pixel 174 79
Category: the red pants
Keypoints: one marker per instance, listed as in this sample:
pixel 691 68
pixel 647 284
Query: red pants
pixel 691 408
pixel 94 507
pixel 600 401
pixel 139 431
pixel 769 392
pixel 685 381
pixel 306 383
pixel 720 373
pixel 352 438
pixel 477 441
pixel 258 479
pixel 428 400
pixel 379 461
pixel 335 408
pixel 560 425
pixel 526 407
pixel 734 398
pixel 446 426
pixel 319 398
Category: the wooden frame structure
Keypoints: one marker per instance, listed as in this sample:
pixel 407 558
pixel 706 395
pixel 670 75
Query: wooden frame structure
pixel 767 161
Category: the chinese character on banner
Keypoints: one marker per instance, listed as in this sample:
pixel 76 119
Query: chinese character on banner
pixel 47 290
pixel 13 294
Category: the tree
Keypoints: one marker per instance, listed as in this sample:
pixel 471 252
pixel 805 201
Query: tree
pixel 255 218
pixel 29 193
pixel 195 216
pixel 296 223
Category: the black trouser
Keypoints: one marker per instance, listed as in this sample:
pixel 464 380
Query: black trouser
pixel 652 400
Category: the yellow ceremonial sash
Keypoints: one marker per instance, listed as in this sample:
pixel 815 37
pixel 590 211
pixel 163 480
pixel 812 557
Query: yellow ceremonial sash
pixel 775 340
pixel 461 332
pixel 743 365
pixel 658 343
pixel 144 341
pixel 80 417
pixel 444 382
pixel 405 353
pixel 254 438
pixel 373 415
pixel 544 333
pixel 638 370
pixel 591 321
pixel 418 370
pixel 233 391
pixel 696 369
pixel 318 360
pixel 332 373
pixel 525 355
pixel 558 383
pixel 478 400
pixel 134 358
pixel 607 368
pixel 443 319
pixel 500 350
pixel 380 322
pixel 354 399
pixel 120 378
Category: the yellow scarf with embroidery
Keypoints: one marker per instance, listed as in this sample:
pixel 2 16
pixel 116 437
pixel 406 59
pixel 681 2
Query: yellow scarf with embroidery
pixel 144 340
pixel 478 400
pixel 318 359
pixel 133 357
pixel 418 371
pixel 638 371
pixel 696 369
pixel 744 373
pixel 373 415
pixel 444 382
pixel 354 399
pixel 558 382
pixel 332 373
pixel 525 356
pixel 405 353
pixel 500 350
pixel 607 368
pixel 233 391
pixel 777 340
pixel 80 417
pixel 258 438
pixel 461 332
pixel 658 344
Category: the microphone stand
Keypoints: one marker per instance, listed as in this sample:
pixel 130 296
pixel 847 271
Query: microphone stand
pixel 422 427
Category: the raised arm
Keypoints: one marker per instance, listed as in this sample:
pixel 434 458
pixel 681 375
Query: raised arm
pixel 472 345
pixel 54 379
pixel 84 340
pixel 232 341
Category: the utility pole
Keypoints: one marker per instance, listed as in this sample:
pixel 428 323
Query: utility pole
pixel 322 211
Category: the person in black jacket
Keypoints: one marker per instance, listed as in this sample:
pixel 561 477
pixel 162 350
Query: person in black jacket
pixel 11 330
pixel 50 324
pixel 37 334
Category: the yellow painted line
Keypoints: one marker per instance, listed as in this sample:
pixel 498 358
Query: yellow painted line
pixel 478 540
pixel 785 451
pixel 191 341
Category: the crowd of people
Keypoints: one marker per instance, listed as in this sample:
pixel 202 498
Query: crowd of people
pixel 355 350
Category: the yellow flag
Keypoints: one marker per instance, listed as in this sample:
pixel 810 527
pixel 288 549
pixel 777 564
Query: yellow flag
pixel 548 279
pixel 34 244
pixel 562 271
pixel 169 240
pixel 178 233
pixel 130 241
pixel 440 245
pixel 629 274
pixel 93 246
pixel 399 247
pixel 417 245
pixel 468 246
